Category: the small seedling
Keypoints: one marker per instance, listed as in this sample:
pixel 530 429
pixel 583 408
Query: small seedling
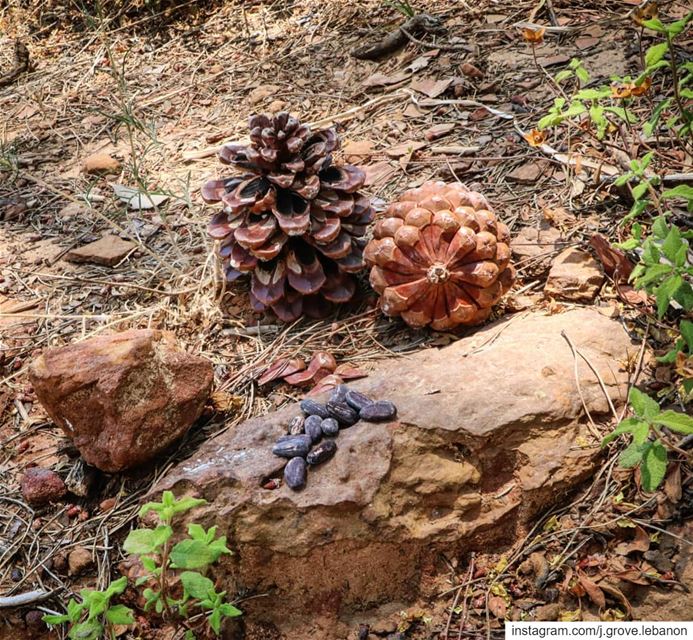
pixel 95 617
pixel 647 449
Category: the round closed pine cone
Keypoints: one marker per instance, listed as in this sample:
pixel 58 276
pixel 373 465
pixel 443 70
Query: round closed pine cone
pixel 440 257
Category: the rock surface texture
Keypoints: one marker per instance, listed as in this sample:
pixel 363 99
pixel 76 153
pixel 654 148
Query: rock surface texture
pixel 122 398
pixel 575 275
pixel 40 486
pixel 490 431
pixel 109 251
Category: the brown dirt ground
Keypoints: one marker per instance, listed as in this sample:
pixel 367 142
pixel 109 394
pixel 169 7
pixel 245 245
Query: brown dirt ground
pixel 157 88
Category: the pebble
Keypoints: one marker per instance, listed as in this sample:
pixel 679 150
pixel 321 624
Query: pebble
pixel 296 425
pixel 292 446
pixel 40 486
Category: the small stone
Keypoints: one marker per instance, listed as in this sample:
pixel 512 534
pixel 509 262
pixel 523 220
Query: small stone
pixel 78 560
pixel 107 504
pixel 471 71
pixel 439 131
pixel 330 427
pixel 575 275
pixel 324 451
pixel 109 251
pixel 313 427
pixel 313 408
pixel 40 486
pixel 101 163
pixel 378 411
pixel 357 400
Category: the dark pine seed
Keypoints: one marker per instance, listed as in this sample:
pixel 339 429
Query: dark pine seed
pixel 339 393
pixel 330 427
pixel 357 400
pixel 292 446
pixel 378 411
pixel 295 473
pixel 312 408
pixel 324 451
pixel 344 414
pixel 313 428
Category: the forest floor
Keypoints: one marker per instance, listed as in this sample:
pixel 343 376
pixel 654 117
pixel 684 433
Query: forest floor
pixel 158 90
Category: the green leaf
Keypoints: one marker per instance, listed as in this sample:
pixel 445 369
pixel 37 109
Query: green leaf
pixel 189 635
pixel 632 455
pixel 655 53
pixel 229 611
pixel 679 422
pixel 672 243
pixel 625 426
pixel 582 74
pixel 142 541
pixel 55 619
pixel 644 406
pixel 120 614
pixel 148 563
pixel 640 190
pixel 654 273
pixel 686 329
pixel 660 228
pixel 196 585
pixel 96 601
pixel 191 554
pixel 624 114
pixel 621 180
pixel 654 466
pixel 187 503
pixel 654 24
pixel 563 75
pixel 641 431
pixel 88 630
pixel 677 27
pixel 665 292
pixel 683 191
pixel 215 621
pixel 684 296
pixel 592 94
pixel 116 587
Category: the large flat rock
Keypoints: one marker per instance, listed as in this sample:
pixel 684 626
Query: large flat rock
pixel 490 431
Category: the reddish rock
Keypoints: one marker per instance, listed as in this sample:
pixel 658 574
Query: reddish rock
pixel 79 559
pixel 490 432
pixel 109 251
pixel 575 275
pixel 40 486
pixel 122 398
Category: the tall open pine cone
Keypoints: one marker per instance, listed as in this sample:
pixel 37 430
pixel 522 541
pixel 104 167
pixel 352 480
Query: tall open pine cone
pixel 440 257
pixel 295 220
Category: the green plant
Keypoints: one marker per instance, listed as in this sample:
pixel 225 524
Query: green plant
pixel 647 449
pixel 191 557
pixel 94 617
pixel 403 7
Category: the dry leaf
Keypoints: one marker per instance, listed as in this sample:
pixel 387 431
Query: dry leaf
pixel 615 262
pixel 497 607
pixel 535 137
pixel 419 63
pixel 404 148
pixel 595 594
pixel 471 71
pixel 383 80
pixel 378 174
pixel 533 35
pixel 430 87
pixel 350 372
pixel 438 131
pixel 326 384
pixel 640 542
pixel 672 484
pixel 357 150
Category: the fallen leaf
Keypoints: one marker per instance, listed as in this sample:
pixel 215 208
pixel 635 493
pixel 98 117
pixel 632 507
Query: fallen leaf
pixel 430 87
pixel 595 594
pixel 383 80
pixel 553 60
pixel 404 148
pixel 672 484
pixel 378 174
pixel 419 63
pixel 631 295
pixel 615 262
pixel 136 199
pixel 326 384
pixel 471 71
pixel 640 542
pixel 438 131
pixel 455 150
pixel 358 149
pixel 527 173
pixel 350 372
pixel 497 606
